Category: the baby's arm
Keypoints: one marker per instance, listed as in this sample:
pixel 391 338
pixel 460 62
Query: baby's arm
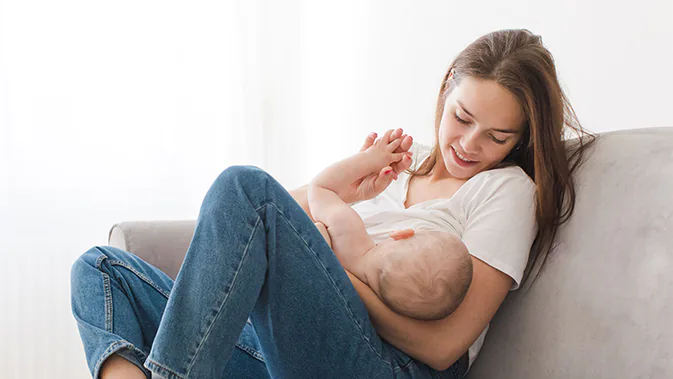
pixel 350 240
pixel 344 227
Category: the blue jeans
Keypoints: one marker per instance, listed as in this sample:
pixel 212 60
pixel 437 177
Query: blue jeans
pixel 260 295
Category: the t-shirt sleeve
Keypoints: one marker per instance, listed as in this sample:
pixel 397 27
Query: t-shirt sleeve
pixel 500 224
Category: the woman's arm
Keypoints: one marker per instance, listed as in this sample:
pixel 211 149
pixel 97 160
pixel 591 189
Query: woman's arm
pixel 440 343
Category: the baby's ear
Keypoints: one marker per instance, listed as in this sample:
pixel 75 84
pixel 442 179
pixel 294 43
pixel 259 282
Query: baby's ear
pixel 401 234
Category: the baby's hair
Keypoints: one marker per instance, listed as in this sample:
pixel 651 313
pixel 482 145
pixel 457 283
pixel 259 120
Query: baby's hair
pixel 414 277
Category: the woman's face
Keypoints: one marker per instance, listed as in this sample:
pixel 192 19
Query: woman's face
pixel 481 123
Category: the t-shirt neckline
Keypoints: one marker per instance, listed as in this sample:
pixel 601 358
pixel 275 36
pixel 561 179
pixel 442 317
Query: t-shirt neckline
pixel 408 179
pixel 406 188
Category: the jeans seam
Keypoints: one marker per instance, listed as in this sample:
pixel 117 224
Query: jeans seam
pixel 346 306
pixel 108 302
pixel 140 276
pixel 254 353
pixel 112 349
pixel 107 290
pixel 226 297
pixel 163 371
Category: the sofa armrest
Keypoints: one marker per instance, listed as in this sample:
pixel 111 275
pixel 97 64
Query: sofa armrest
pixel 163 244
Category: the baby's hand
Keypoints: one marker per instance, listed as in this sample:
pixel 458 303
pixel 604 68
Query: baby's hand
pixel 407 141
pixel 323 230
pixel 383 151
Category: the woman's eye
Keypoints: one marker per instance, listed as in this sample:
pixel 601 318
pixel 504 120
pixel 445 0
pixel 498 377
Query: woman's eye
pixel 498 141
pixel 460 119
pixel 465 122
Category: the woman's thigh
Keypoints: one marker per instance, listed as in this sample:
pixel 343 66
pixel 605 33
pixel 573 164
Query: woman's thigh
pixel 256 254
pixel 308 316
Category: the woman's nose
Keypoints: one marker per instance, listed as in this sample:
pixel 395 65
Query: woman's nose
pixel 470 143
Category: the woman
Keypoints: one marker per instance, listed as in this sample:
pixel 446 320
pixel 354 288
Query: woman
pixel 260 294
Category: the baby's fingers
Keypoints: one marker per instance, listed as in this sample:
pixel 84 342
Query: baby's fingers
pixel 385 139
pixel 394 145
pixel 395 134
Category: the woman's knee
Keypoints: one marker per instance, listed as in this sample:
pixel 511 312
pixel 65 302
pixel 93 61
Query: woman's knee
pixel 241 180
pixel 92 259
pixel 245 175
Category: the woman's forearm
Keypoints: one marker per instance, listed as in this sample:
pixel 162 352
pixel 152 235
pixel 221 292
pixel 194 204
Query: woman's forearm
pixel 422 340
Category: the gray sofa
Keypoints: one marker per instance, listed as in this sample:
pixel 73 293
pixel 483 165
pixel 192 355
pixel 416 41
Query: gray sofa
pixel 602 307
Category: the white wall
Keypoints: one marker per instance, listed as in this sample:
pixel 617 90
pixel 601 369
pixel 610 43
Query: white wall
pixel 370 65
pixel 128 110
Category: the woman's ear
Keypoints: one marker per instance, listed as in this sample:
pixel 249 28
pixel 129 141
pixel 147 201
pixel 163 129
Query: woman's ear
pixel 401 234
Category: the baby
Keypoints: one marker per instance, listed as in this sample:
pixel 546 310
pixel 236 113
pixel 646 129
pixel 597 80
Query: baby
pixel 424 275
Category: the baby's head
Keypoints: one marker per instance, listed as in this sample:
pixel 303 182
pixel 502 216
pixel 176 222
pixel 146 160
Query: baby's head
pixel 425 276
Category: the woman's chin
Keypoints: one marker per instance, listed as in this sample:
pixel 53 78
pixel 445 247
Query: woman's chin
pixel 459 172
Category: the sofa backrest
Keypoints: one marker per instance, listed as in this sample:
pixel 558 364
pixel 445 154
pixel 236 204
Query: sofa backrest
pixel 602 307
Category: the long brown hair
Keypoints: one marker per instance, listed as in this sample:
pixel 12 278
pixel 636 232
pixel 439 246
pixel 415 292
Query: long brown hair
pixel 518 61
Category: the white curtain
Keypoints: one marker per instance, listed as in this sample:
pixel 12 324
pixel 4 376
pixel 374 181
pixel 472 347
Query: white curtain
pixel 109 111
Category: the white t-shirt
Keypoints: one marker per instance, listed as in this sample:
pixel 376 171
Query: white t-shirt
pixel 493 213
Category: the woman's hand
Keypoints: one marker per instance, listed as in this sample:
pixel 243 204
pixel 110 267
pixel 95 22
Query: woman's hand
pixel 440 343
pixel 370 186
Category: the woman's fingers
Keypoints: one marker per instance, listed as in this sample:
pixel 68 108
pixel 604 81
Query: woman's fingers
pixel 402 234
pixel 402 164
pixel 407 141
pixel 386 176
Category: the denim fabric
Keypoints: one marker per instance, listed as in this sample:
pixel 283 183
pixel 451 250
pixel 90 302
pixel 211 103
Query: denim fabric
pixel 260 294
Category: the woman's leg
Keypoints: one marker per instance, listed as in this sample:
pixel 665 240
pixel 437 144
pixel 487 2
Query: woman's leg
pixel 116 367
pixel 256 253
pixel 118 301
